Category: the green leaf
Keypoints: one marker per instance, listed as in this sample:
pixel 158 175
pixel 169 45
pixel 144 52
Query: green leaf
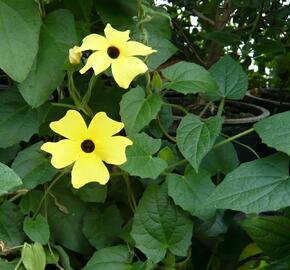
pixel 279 265
pixel 118 13
pixel 271 234
pixel 64 258
pixel 159 35
pixel 8 179
pixel 33 257
pixel 275 131
pixel 19 32
pixel 102 227
pixel 188 78
pixel 11 228
pixel 140 160
pixel 65 218
pixel 196 138
pixel 29 201
pixel 32 165
pixel 9 153
pixel 231 79
pixel 56 37
pixel 117 258
pixel 222 159
pixel 137 111
pixel 256 186
pixel 37 229
pixel 10 265
pixel 18 122
pixel 92 192
pixel 160 226
pixel 191 191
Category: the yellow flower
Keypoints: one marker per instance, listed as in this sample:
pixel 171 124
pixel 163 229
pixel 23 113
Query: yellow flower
pixel 87 147
pixel 75 55
pixel 116 51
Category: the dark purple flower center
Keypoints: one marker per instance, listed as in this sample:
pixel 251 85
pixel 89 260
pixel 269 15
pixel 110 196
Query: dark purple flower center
pixel 88 146
pixel 113 52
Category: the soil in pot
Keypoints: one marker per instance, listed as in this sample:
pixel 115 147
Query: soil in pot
pixel 273 99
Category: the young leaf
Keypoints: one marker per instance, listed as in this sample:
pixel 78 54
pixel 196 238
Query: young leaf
pixel 11 233
pixel 159 225
pixel 117 258
pixel 137 111
pixel 56 37
pixel 188 78
pixel 275 131
pixel 272 234
pixel 231 79
pixel 33 257
pixel 33 166
pixel 102 227
pixel 19 32
pixel 18 122
pixel 37 229
pixel 256 186
pixel 196 138
pixel 191 191
pixel 8 179
pixel 140 160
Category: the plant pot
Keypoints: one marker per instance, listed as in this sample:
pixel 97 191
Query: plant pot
pixel 239 116
pixel 234 126
pixel 273 99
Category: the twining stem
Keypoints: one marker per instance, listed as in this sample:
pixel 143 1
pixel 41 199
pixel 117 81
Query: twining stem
pixel 176 164
pixel 88 94
pixel 176 106
pixel 64 105
pixel 233 138
pixel 221 107
pixel 46 192
pixel 244 145
pixel 131 197
pixel 205 109
pixel 164 131
pixel 76 96
pixel 148 83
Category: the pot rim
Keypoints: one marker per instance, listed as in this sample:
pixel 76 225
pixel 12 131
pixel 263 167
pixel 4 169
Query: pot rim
pixel 269 101
pixel 263 113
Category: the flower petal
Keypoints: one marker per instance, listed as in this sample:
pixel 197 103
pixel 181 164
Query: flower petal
pixel 116 36
pixel 102 126
pixel 64 152
pixel 99 61
pixel 71 126
pixel 113 149
pixel 132 48
pixel 89 168
pixel 125 69
pixel 94 42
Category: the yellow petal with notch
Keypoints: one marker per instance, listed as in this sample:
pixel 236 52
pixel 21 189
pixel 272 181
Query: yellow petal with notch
pixel 64 152
pixel 72 126
pixel 125 69
pixel 94 42
pixel 132 48
pixel 99 61
pixel 89 168
pixel 102 126
pixel 116 36
pixel 113 150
